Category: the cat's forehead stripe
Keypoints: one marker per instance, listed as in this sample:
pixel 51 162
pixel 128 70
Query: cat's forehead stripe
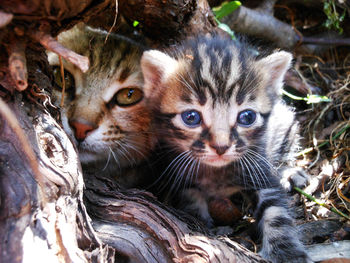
pixel 220 69
pixel 124 74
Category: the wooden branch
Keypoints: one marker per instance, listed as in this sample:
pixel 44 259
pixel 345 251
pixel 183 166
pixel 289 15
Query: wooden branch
pixel 5 18
pixel 38 216
pixel 261 23
pixel 155 233
pixel 293 80
pixel 326 41
pixel 18 64
pixel 8 116
pixel 256 23
pixel 167 22
pixel 51 44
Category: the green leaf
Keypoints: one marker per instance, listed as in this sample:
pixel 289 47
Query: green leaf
pixel 227 29
pixel 334 19
pixel 310 98
pixel 316 99
pixel 226 8
pixel 135 23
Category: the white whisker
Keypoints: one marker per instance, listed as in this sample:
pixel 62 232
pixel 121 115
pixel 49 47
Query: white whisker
pixel 107 162
pixel 115 159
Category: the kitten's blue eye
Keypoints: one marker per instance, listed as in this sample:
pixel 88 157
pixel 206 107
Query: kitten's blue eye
pixel 246 118
pixel 191 118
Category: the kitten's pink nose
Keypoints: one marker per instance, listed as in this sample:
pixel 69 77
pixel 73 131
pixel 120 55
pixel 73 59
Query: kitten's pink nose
pixel 220 149
pixel 81 129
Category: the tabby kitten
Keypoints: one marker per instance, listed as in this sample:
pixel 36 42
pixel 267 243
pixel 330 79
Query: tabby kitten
pixel 219 108
pixel 104 111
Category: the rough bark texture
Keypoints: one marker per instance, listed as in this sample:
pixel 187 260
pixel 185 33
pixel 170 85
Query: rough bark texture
pixel 43 199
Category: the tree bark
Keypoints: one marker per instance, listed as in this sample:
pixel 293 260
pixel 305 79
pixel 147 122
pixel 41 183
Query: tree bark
pixel 43 197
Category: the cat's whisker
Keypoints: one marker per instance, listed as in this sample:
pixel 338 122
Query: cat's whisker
pixel 264 164
pixel 107 162
pixel 251 171
pixel 165 172
pixel 259 169
pixel 242 170
pixel 133 146
pixel 126 153
pixel 193 171
pixel 115 158
pixel 246 165
pixel 177 176
pixel 183 177
pixel 183 81
pixel 264 160
pixel 259 179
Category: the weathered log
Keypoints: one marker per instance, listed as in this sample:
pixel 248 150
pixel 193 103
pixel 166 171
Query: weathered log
pixel 41 190
pixel 167 22
pixel 140 227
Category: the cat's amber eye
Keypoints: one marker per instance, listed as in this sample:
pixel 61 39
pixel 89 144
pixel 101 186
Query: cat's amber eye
pixel 128 96
pixel 68 78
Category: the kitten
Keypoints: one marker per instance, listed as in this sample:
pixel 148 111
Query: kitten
pixel 219 109
pixel 104 111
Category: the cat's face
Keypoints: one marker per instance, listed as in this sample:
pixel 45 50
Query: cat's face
pixel 212 101
pixel 104 110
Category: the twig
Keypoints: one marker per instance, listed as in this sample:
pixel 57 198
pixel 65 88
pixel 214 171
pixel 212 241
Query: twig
pixel 308 150
pixel 5 18
pixel 18 64
pixel 256 23
pixel 326 41
pixel 114 21
pixel 63 80
pixel 310 197
pixel 261 23
pixel 51 44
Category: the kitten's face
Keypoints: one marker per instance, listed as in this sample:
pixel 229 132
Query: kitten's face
pixel 213 101
pixel 104 110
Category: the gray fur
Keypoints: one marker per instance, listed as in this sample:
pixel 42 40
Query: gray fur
pixel 218 78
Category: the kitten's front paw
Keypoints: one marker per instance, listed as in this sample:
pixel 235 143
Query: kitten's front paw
pixel 291 177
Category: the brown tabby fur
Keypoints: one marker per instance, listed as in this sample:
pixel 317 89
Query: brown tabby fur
pixel 121 139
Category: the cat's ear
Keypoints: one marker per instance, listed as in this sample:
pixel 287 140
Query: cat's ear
pixel 276 66
pixel 156 68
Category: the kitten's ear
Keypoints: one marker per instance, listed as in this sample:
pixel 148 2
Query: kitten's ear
pixel 156 68
pixel 276 65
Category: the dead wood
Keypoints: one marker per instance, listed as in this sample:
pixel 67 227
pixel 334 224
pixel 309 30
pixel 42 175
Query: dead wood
pixel 18 64
pixel 5 18
pixel 51 44
pixel 156 233
pixel 167 22
pixel 260 22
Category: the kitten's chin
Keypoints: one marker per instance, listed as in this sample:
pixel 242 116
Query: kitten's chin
pixel 89 157
pixel 217 161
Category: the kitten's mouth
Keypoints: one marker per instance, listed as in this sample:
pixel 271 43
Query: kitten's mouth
pixel 219 160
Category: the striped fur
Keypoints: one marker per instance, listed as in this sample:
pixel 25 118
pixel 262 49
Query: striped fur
pixel 221 81
pixel 121 137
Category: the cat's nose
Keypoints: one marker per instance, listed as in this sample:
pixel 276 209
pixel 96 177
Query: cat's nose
pixel 81 129
pixel 220 149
